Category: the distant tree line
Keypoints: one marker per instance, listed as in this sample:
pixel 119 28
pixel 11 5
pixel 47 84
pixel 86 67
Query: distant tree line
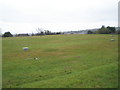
pixel 40 31
pixel 45 32
pixel 105 30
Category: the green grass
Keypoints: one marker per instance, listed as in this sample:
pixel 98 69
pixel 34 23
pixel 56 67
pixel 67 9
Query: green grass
pixel 65 61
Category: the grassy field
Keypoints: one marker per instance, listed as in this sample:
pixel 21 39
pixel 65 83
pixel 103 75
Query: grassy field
pixel 63 61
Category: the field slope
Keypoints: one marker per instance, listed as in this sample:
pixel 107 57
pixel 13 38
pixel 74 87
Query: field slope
pixel 61 61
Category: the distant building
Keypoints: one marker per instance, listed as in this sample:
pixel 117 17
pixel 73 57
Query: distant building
pixel 21 35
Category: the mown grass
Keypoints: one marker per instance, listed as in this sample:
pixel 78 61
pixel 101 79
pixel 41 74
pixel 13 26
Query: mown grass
pixel 65 61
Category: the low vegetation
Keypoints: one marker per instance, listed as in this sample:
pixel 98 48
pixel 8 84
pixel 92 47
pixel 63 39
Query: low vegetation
pixel 61 61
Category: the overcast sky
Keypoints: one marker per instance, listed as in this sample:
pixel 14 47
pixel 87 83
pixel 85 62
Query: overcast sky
pixel 25 16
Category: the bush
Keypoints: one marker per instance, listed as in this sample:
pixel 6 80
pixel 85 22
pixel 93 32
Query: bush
pixel 7 34
pixel 107 30
pixel 111 29
pixel 90 32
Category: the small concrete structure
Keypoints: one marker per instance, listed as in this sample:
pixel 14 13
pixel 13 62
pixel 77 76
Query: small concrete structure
pixel 25 48
pixel 112 39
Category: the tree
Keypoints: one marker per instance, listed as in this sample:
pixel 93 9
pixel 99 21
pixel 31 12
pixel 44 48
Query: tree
pixel 47 32
pixel 103 30
pixel 90 32
pixel 7 34
pixel 40 31
pixel 111 29
pixel 58 32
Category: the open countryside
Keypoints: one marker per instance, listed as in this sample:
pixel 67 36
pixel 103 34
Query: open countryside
pixel 61 61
